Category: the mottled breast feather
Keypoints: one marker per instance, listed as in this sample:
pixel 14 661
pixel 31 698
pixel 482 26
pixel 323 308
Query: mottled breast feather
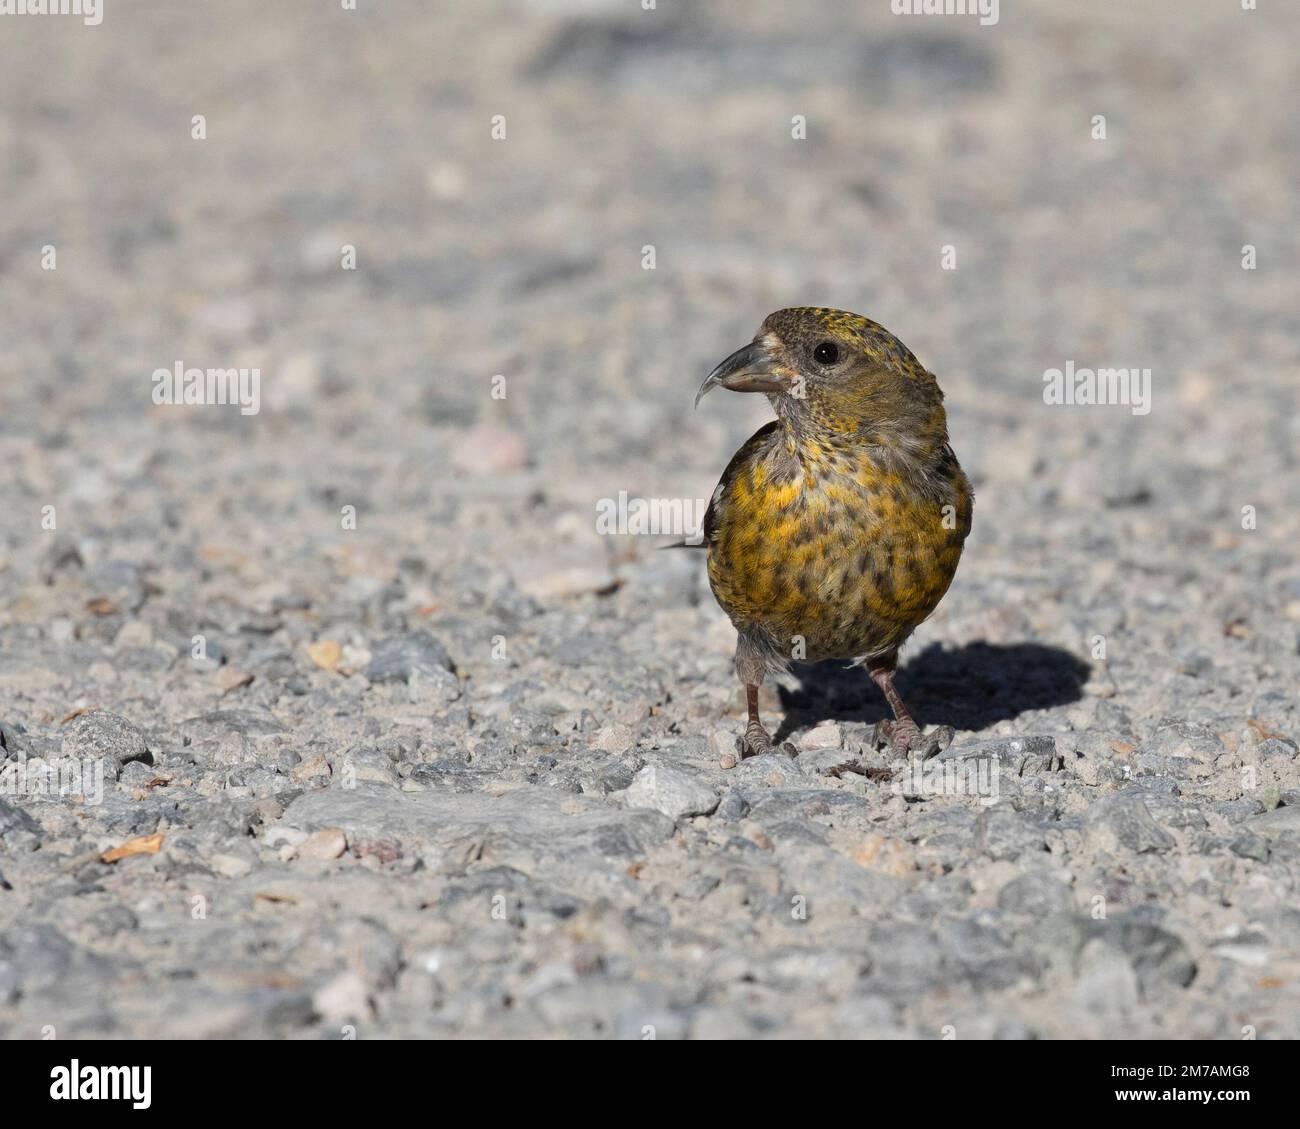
pixel 846 549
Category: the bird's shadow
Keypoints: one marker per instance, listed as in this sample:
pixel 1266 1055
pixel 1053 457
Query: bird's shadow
pixel 969 687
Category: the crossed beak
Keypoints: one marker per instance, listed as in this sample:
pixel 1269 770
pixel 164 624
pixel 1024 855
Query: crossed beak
pixel 751 369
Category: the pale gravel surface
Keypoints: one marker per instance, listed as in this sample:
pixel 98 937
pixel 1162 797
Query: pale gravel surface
pixel 437 833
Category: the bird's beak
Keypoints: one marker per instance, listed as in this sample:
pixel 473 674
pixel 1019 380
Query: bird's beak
pixel 751 369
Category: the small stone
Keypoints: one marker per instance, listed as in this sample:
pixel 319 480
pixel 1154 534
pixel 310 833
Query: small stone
pixel 722 742
pixel 1248 846
pixel 1280 821
pixel 1157 956
pixel 228 317
pixel 1021 755
pixel 310 769
pixel 295 381
pixel 827 735
pixel 1184 740
pixel 490 450
pixel 1090 758
pixel 138 775
pixel 343 998
pixel 1282 747
pixel 325 653
pixel 102 734
pixel 61 629
pixel 446 180
pixel 829 761
pixel 368 765
pixel 770 770
pixel 135 633
pixel 615 739
pixel 1036 894
pixel 398 657
pixel 885 855
pixel 230 866
pixel 1107 984
pixel 1128 820
pixel 671 791
pixel 733 807
pixel 354 660
pixel 322 251
pixel 324 845
pixel 13 818
pixel 268 810
pixel 616 777
pixel 433 690
pixel 564 583
pixel 232 678
pixel 1002 833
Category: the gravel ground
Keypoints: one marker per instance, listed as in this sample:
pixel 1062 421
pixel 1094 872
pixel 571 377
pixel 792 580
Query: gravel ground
pixel 393 741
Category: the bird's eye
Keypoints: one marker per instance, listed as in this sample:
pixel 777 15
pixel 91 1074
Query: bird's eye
pixel 827 353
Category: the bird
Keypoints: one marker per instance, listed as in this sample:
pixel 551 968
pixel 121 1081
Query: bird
pixel 837 528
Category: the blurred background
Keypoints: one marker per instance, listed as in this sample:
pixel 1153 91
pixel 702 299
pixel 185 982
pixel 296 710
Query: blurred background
pixel 628 128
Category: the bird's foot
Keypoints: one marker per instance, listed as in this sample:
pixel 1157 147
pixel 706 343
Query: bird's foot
pixel 758 741
pixel 905 737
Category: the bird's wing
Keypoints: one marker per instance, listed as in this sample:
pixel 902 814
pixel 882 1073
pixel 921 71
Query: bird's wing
pixel 712 516
pixel 749 451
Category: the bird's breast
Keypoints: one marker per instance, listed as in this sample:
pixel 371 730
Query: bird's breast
pixel 839 552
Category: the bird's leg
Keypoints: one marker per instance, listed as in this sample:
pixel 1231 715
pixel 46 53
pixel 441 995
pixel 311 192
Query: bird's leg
pixel 751 667
pixel 757 740
pixel 903 734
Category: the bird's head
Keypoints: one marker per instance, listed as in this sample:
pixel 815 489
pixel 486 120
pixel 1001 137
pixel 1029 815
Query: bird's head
pixel 830 373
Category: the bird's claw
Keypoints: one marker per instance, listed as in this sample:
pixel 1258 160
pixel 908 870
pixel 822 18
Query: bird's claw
pixel 757 741
pixel 940 737
pixel 906 737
